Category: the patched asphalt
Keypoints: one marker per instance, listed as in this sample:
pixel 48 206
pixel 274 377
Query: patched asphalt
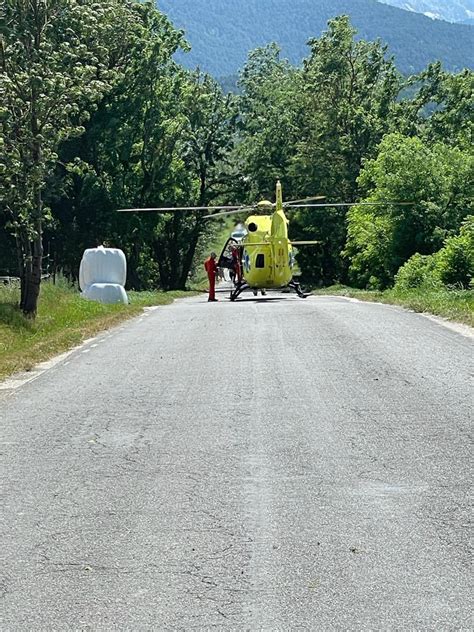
pixel 270 464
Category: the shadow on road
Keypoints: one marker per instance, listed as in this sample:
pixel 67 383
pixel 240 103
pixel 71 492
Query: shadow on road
pixel 255 299
pixel 260 299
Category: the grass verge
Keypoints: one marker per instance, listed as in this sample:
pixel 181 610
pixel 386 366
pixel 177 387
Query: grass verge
pixel 64 320
pixel 456 305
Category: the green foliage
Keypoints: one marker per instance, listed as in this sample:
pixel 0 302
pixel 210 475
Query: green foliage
pixel 268 122
pixel 347 90
pixel 448 98
pixel 420 271
pixel 368 248
pixel 59 59
pixel 161 142
pixel 311 128
pixel 457 305
pixel 434 178
pixel 8 262
pixel 129 157
pixel 97 115
pixel 455 261
pixel 452 266
pixel 114 122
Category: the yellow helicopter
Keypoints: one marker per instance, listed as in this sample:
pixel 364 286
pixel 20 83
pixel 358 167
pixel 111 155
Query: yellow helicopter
pixel 264 255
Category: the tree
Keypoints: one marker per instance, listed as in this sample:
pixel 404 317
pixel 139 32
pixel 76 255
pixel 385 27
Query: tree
pixel 348 91
pixel 455 261
pixel 56 63
pixel 128 155
pixel 268 127
pixel 440 108
pixel 59 58
pixel 204 147
pixel 160 138
pixel 435 178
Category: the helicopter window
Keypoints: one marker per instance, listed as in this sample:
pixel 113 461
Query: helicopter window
pixel 260 261
pixel 252 227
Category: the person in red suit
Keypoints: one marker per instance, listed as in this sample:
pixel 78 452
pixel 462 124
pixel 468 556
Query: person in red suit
pixel 211 269
pixel 236 265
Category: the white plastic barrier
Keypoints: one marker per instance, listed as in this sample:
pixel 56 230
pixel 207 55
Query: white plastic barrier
pixel 102 275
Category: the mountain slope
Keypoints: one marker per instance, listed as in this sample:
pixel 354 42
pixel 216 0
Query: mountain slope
pixel 449 10
pixel 222 32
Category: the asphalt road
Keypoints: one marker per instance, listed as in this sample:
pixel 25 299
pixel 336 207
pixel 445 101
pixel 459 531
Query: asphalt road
pixel 276 464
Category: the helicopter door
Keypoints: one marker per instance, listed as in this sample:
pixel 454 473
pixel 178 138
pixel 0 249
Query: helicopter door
pixel 225 260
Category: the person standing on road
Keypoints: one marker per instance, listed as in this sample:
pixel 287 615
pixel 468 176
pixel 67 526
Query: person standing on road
pixel 211 269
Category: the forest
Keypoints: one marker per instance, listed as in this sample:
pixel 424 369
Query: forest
pixel 222 32
pixel 98 115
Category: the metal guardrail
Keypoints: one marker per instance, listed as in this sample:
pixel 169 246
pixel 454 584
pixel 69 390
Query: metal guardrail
pixel 9 280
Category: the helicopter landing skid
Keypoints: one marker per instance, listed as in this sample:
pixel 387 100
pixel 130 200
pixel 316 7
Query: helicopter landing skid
pixel 237 291
pixel 294 285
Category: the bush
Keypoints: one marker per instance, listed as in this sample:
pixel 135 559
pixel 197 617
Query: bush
pixel 455 261
pixel 418 271
pixel 453 265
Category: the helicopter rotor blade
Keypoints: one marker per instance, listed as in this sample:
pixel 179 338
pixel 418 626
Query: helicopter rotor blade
pixel 304 243
pixel 329 204
pixel 232 211
pixel 261 243
pixel 249 244
pixel 308 199
pixel 173 209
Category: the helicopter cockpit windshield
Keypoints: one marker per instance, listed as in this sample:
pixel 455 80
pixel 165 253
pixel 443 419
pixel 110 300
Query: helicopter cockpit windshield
pixel 239 232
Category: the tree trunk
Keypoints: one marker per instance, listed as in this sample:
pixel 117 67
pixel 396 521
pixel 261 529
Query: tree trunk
pixel 33 279
pixel 134 281
pixel 35 260
pixel 159 255
pixel 21 257
pixel 188 259
pixel 34 263
pixel 193 242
